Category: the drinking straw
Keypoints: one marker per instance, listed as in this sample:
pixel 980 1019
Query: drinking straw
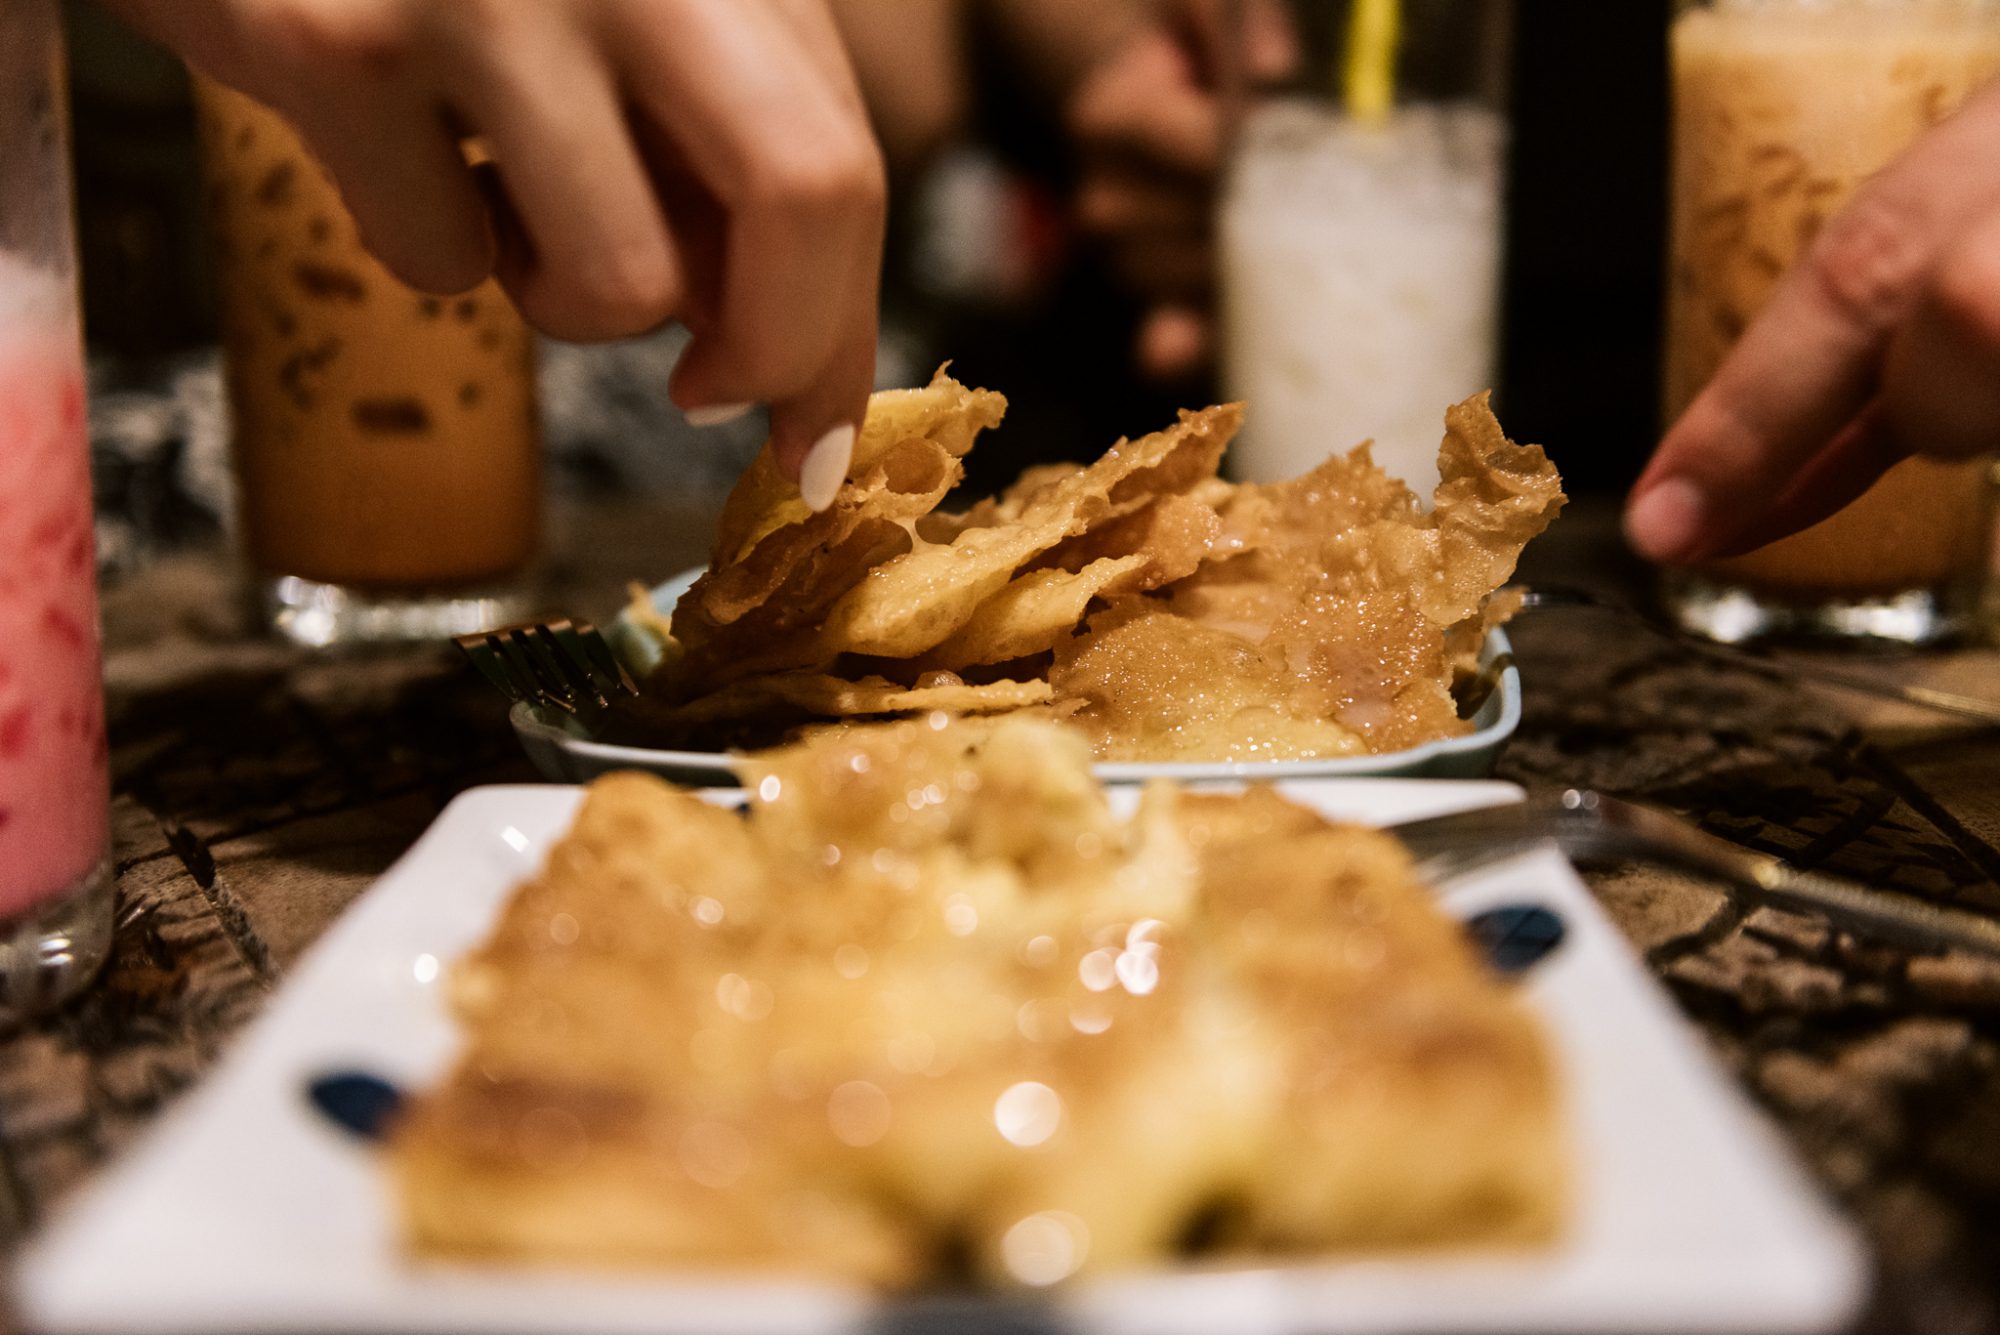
pixel 1374 27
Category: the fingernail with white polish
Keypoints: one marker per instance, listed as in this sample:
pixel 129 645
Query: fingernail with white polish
pixel 825 467
pixel 1664 522
pixel 717 414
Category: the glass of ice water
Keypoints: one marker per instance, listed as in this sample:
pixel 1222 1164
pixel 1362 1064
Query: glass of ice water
pixel 1360 235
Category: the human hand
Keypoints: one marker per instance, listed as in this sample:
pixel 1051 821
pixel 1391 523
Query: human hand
pixel 1883 342
pixel 1148 122
pixel 702 160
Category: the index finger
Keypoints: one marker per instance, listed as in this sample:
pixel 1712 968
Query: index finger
pixel 1257 33
pixel 1811 360
pixel 759 104
pixel 1147 103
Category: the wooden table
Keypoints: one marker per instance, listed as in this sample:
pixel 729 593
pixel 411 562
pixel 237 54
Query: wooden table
pixel 259 789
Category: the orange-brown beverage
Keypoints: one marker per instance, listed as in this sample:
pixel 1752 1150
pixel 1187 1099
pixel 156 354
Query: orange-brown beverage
pixel 386 443
pixel 1781 109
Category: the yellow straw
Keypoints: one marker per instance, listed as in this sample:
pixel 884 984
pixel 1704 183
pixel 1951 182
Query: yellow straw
pixel 1373 29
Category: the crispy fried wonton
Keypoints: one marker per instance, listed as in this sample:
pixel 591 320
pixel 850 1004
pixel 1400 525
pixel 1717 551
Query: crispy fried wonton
pixel 1169 614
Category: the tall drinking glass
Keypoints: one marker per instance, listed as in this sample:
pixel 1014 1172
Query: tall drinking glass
pixel 55 871
pixel 1360 234
pixel 1781 109
pixel 386 444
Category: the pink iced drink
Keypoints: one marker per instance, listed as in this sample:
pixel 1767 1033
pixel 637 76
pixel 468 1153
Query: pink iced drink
pixel 54 788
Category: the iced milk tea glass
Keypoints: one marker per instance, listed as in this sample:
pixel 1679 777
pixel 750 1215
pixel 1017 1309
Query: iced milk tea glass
pixel 1781 109
pixel 386 444
pixel 1360 234
pixel 55 871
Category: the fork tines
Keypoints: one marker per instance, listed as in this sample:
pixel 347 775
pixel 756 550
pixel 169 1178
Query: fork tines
pixel 563 664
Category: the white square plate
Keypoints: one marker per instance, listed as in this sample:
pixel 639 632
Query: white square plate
pixel 245 1210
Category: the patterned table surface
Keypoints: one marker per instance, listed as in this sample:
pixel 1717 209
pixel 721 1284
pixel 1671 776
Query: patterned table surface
pixel 259 789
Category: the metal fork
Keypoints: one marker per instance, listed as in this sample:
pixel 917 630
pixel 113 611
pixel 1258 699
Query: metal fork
pixel 564 665
pixel 1592 827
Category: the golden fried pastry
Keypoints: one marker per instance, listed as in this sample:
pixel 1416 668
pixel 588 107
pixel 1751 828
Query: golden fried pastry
pixel 929 1011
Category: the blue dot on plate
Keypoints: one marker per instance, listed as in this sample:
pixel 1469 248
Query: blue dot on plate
pixel 1515 937
pixel 355 1101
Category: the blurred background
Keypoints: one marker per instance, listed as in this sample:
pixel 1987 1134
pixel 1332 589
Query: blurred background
pixel 985 267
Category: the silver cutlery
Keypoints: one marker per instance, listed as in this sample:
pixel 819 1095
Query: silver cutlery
pixel 1592 827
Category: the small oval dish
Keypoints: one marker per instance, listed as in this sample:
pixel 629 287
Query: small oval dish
pixel 566 751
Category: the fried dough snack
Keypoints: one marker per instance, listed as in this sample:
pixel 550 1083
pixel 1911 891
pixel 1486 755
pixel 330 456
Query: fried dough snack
pixel 1169 614
pixel 931 1009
